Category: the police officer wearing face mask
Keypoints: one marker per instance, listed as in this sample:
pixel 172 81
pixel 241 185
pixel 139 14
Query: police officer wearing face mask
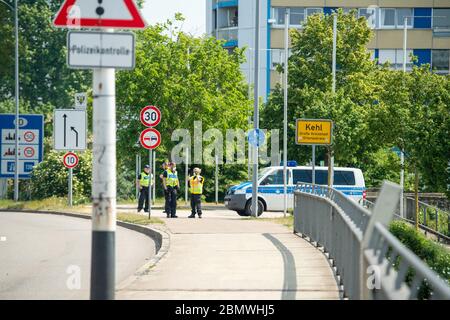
pixel 143 182
pixel 196 189
pixel 172 187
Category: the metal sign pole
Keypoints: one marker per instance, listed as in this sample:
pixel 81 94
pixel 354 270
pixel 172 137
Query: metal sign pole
pixel 186 173
pixel 103 186
pixel 150 156
pixel 285 126
pixel 154 176
pixel 314 167
pixel 256 117
pixel 70 186
pixel 137 175
pixel 333 89
pixel 216 180
pixel 16 156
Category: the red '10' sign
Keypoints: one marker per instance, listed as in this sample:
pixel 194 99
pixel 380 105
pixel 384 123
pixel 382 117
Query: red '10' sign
pixel 70 160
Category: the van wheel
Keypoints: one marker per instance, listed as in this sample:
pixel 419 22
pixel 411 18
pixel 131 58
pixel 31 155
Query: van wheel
pixel 242 213
pixel 248 207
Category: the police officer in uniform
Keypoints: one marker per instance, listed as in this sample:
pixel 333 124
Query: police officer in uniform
pixel 143 182
pixel 165 165
pixel 196 189
pixel 171 186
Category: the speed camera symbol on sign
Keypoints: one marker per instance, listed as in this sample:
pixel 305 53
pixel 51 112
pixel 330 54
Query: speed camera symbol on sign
pixel 150 116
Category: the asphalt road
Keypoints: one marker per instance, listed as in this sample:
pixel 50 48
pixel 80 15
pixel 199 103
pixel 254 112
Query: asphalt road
pixel 44 256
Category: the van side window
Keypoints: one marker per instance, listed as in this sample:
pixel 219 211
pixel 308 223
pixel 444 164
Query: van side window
pixel 344 178
pixel 341 178
pixel 276 177
pixel 301 176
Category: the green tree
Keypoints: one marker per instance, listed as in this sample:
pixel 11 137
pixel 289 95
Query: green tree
pixel 44 76
pixel 189 79
pixel 50 177
pixel 310 84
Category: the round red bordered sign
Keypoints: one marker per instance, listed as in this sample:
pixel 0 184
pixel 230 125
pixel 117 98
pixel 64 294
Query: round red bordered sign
pixel 150 138
pixel 29 136
pixel 150 116
pixel 28 152
pixel 70 160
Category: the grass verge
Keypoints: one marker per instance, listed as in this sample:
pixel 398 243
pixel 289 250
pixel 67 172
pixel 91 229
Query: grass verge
pixel 60 204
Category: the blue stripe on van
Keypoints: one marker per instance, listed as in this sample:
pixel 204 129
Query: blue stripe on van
pixel 356 191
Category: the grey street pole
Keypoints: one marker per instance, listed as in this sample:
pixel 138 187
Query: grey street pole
pixel 333 89
pixel 150 156
pixel 138 168
pixel 286 60
pixel 186 174
pixel 256 116
pixel 216 180
pixel 70 187
pixel 103 186
pixel 402 154
pixel 313 176
pixel 16 165
pixel 154 176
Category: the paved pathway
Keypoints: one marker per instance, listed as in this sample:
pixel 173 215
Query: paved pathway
pixel 223 256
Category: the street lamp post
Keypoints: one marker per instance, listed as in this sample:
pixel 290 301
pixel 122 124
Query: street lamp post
pixel 16 33
pixel 255 148
pixel 285 125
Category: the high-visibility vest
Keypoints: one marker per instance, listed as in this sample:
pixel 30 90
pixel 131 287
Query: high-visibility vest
pixel 172 178
pixel 145 180
pixel 196 184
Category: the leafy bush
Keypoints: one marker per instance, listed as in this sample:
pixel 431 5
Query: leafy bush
pixel 433 254
pixel 50 177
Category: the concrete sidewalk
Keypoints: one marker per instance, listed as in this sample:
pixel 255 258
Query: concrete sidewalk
pixel 223 256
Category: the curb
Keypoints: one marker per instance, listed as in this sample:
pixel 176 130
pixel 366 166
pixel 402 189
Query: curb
pixel 160 237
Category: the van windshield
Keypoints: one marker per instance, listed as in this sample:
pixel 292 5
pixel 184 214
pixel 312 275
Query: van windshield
pixel 341 178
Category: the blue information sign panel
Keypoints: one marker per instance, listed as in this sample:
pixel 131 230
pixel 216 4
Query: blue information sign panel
pixel 31 136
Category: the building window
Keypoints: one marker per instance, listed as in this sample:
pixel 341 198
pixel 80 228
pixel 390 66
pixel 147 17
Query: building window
pixel 440 61
pixel 369 14
pixel 277 57
pixel 391 18
pixel 441 19
pixel 403 14
pixel 278 15
pixel 387 18
pixel 395 58
pixel 297 15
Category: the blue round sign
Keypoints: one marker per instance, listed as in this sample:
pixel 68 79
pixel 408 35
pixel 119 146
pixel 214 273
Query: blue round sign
pixel 256 137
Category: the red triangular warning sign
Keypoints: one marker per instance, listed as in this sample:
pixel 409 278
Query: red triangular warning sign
pixel 121 14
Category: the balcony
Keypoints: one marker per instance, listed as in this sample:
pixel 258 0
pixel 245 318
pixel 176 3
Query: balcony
pixel 230 35
pixel 225 3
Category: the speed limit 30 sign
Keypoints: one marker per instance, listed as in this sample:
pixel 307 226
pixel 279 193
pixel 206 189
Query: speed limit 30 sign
pixel 150 116
pixel 70 160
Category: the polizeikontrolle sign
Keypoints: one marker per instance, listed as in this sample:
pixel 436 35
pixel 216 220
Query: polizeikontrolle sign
pixel 100 50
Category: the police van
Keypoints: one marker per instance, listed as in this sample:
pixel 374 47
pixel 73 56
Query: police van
pixel 349 181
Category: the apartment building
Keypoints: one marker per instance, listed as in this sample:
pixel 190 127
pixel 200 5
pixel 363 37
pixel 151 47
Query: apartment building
pixel 428 23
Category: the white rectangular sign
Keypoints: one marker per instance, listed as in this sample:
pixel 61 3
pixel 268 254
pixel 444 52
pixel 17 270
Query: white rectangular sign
pixel 88 50
pixel 69 129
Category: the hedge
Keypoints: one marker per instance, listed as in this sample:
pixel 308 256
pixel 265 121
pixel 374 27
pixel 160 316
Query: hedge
pixel 434 255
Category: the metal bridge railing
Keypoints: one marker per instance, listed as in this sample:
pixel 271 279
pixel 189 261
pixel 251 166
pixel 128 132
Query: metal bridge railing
pixel 370 262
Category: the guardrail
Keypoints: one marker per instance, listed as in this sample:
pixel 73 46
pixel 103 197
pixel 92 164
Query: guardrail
pixel 370 262
pixel 431 219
